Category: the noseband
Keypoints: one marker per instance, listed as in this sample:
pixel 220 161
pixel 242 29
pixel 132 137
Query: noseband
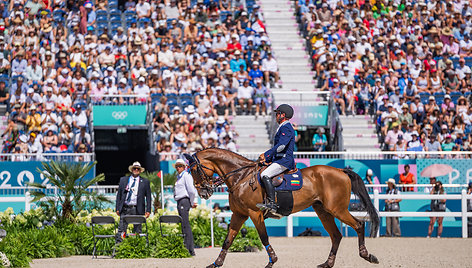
pixel 210 183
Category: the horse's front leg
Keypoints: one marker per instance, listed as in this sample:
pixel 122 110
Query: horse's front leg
pixel 237 221
pixel 258 219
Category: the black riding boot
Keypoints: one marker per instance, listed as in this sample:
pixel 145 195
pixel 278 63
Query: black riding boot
pixel 270 190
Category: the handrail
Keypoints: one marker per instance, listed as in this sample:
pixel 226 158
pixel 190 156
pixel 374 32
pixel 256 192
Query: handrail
pixel 45 156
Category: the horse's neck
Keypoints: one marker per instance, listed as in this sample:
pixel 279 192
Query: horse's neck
pixel 225 168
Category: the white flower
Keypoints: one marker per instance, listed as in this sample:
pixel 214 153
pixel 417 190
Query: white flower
pixel 4 260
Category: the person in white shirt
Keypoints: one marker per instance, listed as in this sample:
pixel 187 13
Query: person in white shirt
pixel 270 67
pixel 228 144
pixel 143 9
pixel 245 93
pixel 184 194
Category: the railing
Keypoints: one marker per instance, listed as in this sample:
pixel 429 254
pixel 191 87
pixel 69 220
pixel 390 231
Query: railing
pixel 364 155
pixel 118 99
pixel 312 98
pixel 373 155
pixel 376 197
pixel 68 157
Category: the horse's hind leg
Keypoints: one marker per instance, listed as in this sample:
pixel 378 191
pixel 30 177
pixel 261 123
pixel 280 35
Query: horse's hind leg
pixel 357 225
pixel 328 223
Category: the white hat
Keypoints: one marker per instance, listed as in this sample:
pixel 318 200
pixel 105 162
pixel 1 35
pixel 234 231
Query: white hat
pixel 180 137
pixel 142 79
pixel 350 83
pixel 370 172
pixel 234 36
pixel 110 69
pixel 95 74
pixel 255 62
pixel 123 80
pixel 166 74
pixel 176 108
pixel 180 162
pixel 391 180
pixel 190 109
pixel 415 133
pixel 23 138
pixel 88 5
pixel 135 164
pixel 30 90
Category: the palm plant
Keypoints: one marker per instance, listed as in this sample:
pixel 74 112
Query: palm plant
pixel 72 193
pixel 153 177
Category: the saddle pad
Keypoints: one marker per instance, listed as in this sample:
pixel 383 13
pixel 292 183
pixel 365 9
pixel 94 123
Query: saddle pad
pixel 291 182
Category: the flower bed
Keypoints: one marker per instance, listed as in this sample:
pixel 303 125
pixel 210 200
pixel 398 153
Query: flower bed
pixel 30 235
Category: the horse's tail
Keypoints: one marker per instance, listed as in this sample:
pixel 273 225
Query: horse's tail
pixel 359 189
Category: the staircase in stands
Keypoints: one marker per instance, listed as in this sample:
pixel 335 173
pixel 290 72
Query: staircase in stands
pixel 359 134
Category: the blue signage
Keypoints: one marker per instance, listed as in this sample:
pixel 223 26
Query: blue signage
pixel 18 174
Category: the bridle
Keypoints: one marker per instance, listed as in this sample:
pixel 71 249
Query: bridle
pixel 209 183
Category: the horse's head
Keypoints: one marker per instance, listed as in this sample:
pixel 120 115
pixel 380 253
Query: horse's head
pixel 202 176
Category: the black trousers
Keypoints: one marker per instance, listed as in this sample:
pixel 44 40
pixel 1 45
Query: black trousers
pixel 122 227
pixel 183 206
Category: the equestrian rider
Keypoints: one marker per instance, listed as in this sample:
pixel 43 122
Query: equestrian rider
pixel 280 155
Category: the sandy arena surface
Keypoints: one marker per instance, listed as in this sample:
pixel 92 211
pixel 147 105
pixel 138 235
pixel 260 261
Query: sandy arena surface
pixel 307 252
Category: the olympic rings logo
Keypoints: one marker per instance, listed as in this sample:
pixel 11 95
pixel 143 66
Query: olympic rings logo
pixel 119 115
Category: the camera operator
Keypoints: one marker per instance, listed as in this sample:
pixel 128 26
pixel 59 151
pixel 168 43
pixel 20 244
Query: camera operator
pixel 437 205
pixel 392 204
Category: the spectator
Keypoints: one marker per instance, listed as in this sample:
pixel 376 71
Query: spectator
pixel 437 205
pixel 407 178
pixel 319 140
pixel 33 119
pixel 245 94
pixel 393 204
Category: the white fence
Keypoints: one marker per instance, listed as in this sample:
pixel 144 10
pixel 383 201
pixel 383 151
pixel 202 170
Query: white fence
pixel 25 197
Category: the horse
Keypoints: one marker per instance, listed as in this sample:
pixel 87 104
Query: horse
pixel 326 189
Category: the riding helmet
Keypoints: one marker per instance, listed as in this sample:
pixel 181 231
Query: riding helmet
pixel 286 109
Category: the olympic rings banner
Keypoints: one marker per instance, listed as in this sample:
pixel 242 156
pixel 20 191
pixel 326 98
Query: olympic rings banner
pixel 18 174
pixel 119 115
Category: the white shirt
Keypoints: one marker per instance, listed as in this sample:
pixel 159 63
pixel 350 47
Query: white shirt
pixel 245 92
pixel 133 190
pixel 269 65
pixel 184 187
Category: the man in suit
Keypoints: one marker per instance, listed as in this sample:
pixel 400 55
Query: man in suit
pixel 280 155
pixel 133 198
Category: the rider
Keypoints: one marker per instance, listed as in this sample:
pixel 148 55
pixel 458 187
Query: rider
pixel 280 155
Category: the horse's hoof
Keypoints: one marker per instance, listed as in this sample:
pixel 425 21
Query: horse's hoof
pixel 269 265
pixel 373 259
pixel 324 265
pixel 212 266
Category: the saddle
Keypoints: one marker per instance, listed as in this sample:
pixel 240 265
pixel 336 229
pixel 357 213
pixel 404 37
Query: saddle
pixel 291 180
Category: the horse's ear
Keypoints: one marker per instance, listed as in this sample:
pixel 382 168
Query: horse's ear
pixel 189 158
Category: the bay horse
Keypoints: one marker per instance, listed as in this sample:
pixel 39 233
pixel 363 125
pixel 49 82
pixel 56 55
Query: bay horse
pixel 326 189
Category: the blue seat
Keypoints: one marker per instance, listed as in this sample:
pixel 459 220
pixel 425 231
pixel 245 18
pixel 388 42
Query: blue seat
pixel 115 24
pixel 455 96
pixel 467 94
pixel 225 14
pixel 102 23
pixel 101 12
pixel 114 12
pixel 130 13
pixel 155 96
pixel 102 30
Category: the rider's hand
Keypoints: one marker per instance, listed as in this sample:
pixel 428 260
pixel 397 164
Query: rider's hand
pixel 261 159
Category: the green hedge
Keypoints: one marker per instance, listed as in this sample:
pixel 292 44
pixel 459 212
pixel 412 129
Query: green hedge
pixel 31 236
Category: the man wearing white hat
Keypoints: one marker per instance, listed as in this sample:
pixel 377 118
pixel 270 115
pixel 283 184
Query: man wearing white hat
pixel 392 204
pixel 133 198
pixel 184 194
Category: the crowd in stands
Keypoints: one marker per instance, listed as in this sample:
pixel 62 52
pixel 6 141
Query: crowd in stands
pixel 198 62
pixel 405 63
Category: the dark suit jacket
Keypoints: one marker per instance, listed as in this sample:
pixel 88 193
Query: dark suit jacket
pixel 143 202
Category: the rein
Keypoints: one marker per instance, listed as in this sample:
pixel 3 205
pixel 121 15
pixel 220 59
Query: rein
pixel 218 181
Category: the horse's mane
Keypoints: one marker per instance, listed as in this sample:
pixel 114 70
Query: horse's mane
pixel 241 157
